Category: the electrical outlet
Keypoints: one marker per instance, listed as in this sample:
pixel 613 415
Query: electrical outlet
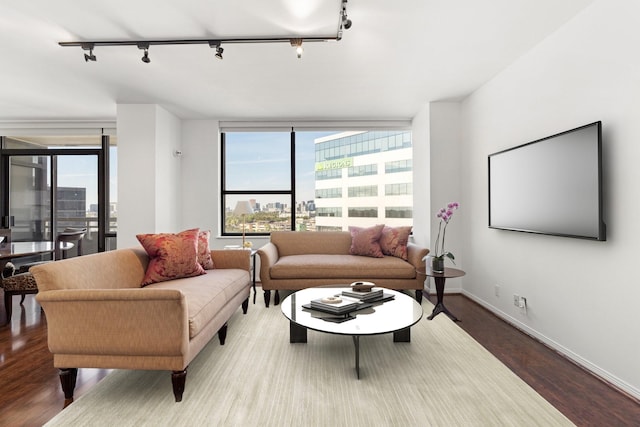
pixel 522 303
pixel 496 290
pixel 516 300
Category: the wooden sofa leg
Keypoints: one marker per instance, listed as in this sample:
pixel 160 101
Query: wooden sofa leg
pixel 245 306
pixel 178 379
pixel 419 296
pixel 68 382
pixel 222 334
pixel 267 298
pixel 276 299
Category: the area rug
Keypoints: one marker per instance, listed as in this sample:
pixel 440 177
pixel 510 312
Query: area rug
pixel 441 378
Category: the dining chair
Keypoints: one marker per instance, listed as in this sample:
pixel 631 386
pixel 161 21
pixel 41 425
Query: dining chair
pixel 24 283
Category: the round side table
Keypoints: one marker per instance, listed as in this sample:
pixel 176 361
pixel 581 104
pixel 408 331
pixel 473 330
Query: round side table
pixel 439 279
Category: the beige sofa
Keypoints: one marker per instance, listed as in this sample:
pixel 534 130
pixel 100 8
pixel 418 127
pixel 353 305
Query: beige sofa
pixel 99 316
pixel 294 260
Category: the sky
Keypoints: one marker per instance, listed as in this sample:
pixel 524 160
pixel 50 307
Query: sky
pixel 261 160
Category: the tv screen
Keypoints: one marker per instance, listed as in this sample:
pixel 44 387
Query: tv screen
pixel 550 186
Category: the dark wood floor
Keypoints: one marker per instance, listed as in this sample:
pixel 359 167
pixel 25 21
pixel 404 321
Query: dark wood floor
pixel 30 391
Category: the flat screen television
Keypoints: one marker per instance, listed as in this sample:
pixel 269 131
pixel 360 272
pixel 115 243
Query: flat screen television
pixel 550 186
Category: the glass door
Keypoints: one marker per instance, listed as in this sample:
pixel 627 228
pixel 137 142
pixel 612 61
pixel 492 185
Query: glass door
pixel 37 213
pixel 30 199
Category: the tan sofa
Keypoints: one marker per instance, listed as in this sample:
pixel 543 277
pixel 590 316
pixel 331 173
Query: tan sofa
pixel 294 260
pixel 99 316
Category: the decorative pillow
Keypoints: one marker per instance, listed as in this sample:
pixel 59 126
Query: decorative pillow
pixel 364 241
pixel 394 241
pixel 171 256
pixel 204 252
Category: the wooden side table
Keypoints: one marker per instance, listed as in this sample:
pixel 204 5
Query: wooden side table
pixel 440 278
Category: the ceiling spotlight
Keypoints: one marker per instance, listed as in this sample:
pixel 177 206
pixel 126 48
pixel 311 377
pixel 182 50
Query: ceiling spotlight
pixel 145 58
pixel 216 44
pixel 346 22
pixel 297 43
pixel 89 56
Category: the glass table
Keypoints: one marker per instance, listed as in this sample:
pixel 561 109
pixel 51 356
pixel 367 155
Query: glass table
pixel 394 316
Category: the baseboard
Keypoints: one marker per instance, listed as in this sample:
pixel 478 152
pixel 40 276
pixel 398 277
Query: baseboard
pixel 595 370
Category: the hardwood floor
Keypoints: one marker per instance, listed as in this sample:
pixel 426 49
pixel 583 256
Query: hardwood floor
pixel 31 392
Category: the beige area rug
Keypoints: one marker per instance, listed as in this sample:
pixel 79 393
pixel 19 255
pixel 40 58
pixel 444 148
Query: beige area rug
pixel 442 378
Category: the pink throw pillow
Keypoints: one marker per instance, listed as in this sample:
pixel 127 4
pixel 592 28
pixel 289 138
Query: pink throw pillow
pixel 364 241
pixel 204 252
pixel 394 241
pixel 171 256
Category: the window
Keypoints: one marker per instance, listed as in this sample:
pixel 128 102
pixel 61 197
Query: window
pixel 363 170
pixel 315 180
pixel 398 189
pixel 329 193
pixel 363 191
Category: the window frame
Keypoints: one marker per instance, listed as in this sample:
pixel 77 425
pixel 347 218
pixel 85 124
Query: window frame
pixel 224 192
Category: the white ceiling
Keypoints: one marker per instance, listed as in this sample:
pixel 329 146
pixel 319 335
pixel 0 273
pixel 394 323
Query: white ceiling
pixel 397 56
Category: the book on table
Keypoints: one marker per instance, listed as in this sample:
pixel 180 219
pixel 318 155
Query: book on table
pixel 345 305
pixel 374 294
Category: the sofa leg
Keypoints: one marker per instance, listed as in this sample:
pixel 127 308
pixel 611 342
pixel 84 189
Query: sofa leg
pixel 245 306
pixel 267 298
pixel 276 299
pixel 68 382
pixel 178 379
pixel 222 334
pixel 419 296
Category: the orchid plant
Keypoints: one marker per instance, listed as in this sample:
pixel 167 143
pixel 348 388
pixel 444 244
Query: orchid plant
pixel 444 215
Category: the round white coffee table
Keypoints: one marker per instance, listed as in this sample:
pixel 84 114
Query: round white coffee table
pixel 394 316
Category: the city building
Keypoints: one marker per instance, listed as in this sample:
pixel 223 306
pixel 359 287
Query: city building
pixel 363 178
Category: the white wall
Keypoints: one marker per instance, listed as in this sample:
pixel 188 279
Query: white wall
pixel 149 199
pixel 582 295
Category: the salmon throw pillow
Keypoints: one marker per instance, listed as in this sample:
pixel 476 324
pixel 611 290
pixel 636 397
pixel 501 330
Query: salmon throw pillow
pixel 393 241
pixel 204 252
pixel 365 241
pixel 171 256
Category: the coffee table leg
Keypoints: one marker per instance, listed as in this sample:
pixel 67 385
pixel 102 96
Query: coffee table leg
pixel 356 342
pixel 403 335
pixel 297 333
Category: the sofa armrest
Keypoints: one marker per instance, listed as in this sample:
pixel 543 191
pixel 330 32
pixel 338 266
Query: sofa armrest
pixel 268 257
pixel 415 254
pixel 130 322
pixel 231 259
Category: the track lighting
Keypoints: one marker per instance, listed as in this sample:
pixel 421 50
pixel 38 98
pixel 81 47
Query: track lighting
pixel 89 56
pixel 297 43
pixel 145 58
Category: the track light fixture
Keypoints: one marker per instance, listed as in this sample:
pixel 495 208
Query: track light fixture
pixel 344 23
pixel 216 44
pixel 89 56
pixel 297 43
pixel 145 58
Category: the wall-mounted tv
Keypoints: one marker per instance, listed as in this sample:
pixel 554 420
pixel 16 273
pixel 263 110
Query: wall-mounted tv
pixel 550 186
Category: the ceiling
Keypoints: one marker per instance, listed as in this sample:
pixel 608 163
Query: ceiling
pixel 397 56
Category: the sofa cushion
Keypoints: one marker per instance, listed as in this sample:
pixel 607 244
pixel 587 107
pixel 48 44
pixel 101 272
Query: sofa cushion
pixel 366 241
pixel 204 251
pixel 393 241
pixel 206 296
pixel 171 256
pixel 341 267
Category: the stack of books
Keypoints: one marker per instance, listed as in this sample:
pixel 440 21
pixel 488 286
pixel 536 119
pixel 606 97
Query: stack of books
pixel 374 294
pixel 343 307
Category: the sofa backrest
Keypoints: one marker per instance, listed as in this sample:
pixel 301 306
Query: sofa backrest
pixel 311 242
pixel 121 268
